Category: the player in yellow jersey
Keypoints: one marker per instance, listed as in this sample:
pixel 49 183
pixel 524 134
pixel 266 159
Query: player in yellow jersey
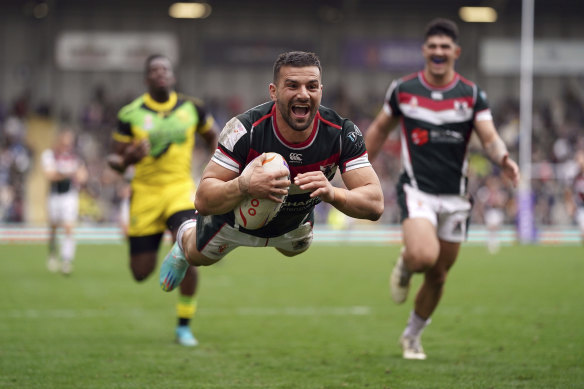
pixel 156 134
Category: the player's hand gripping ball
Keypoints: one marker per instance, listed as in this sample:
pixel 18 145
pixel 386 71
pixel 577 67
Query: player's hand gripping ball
pixel 253 213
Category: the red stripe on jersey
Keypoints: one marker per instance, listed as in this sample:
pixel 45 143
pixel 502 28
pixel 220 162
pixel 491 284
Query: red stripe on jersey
pixel 265 117
pixel 467 82
pixel 329 123
pixel 251 155
pixel 434 105
pixel 333 159
pixel 410 76
pixel 229 156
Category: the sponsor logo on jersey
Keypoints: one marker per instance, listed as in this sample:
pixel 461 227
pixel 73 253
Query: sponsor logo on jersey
pixel 148 122
pixel 231 133
pixel 419 136
pixel 461 107
pixel 298 206
pixel 437 95
pixel 355 134
pixel 328 170
pixel 295 157
pixel 446 136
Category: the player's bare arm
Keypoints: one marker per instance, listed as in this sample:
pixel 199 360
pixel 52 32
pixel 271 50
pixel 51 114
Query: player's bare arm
pixel 126 154
pixel 53 175
pixel 496 149
pixel 81 175
pixel 210 138
pixel 377 133
pixel 221 189
pixel 362 199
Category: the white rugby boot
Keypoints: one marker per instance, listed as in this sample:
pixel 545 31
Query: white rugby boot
pixel 53 264
pixel 412 347
pixel 399 281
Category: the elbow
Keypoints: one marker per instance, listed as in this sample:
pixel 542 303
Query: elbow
pixel 201 205
pixel 376 214
pixel 378 207
pixel 376 210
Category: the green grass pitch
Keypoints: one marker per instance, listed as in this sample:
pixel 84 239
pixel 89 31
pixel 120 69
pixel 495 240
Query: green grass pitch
pixel 321 320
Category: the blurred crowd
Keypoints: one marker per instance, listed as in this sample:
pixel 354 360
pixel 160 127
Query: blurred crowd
pixel 16 159
pixel 557 135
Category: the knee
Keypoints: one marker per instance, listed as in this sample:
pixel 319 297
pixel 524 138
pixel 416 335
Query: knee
pixel 194 257
pixel 142 266
pixel 139 276
pixel 420 258
pixel 140 273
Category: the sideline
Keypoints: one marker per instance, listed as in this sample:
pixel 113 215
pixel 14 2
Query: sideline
pixel 378 234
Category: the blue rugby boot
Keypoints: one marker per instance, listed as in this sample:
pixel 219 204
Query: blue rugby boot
pixel 173 269
pixel 185 337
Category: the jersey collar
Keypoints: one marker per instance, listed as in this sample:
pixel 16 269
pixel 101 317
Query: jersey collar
pixel 430 86
pixel 161 107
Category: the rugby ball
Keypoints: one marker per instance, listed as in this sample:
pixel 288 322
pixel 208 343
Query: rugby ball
pixel 253 213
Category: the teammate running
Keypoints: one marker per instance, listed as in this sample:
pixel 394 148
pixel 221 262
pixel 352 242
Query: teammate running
pixel 437 109
pixel 66 173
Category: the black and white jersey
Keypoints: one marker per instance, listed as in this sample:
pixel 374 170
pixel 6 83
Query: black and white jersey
pixel 65 164
pixel 436 125
pixel 335 143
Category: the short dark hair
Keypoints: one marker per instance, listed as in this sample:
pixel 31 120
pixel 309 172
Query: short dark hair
pixel 296 59
pixel 442 27
pixel 151 58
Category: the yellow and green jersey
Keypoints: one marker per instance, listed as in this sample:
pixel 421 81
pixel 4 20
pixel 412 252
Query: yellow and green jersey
pixel 170 128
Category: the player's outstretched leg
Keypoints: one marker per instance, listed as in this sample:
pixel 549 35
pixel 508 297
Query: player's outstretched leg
pixel 400 281
pixel 173 269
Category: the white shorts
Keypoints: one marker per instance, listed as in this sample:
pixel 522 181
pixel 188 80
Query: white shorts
pixel 218 243
pixel 448 213
pixel 494 217
pixel 63 207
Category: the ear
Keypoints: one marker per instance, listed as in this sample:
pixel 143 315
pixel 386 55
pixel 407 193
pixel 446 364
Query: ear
pixel 457 51
pixel 272 89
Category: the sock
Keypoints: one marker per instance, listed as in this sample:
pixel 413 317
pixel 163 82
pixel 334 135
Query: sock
pixel 415 325
pixel 68 248
pixel 186 225
pixel 185 309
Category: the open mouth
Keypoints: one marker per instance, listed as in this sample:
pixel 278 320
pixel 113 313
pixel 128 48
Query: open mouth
pixel 438 60
pixel 300 110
